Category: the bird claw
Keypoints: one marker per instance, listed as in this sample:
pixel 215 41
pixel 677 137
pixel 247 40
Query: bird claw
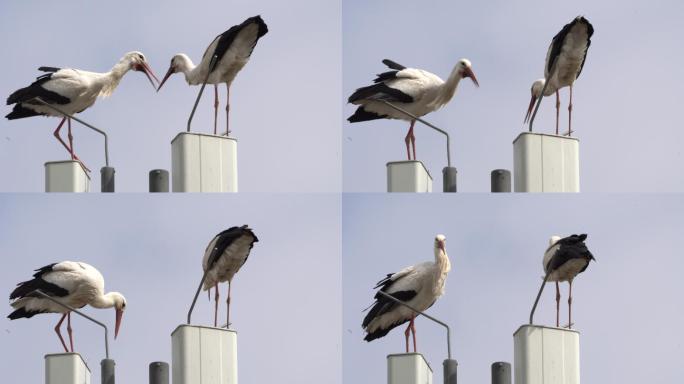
pixel 568 326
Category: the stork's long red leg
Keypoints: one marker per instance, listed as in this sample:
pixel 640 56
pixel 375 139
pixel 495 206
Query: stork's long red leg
pixel 406 333
pixel 570 113
pixel 71 145
pixel 71 337
pixel 216 297
pixel 557 305
pixel 228 303
pixel 413 330
pixel 56 133
pixel 557 110
pixel 216 105
pixel 59 324
pixel 570 305
pixel 71 140
pixel 407 140
pixel 227 110
pixel 413 140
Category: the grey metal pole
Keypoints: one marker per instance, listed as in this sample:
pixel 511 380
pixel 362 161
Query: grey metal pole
pixel 501 180
pixel 159 180
pixel 443 324
pixel 194 300
pixel 103 133
pixel 212 63
pixel 450 370
pixel 107 371
pixel 159 372
pixel 449 179
pixel 541 96
pixel 501 372
pixel 72 309
pixel 414 117
pixel 536 301
pixel 107 179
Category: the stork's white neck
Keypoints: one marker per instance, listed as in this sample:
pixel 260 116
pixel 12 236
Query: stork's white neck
pixel 111 79
pixel 188 68
pixel 442 261
pixel 448 89
pixel 106 301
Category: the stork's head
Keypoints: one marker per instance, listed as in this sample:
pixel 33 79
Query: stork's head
pixel 179 63
pixel 466 70
pixel 120 306
pixel 136 61
pixel 440 243
pixel 536 91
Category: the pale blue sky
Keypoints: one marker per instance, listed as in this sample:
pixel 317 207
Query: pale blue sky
pixel 627 305
pixel 626 102
pixel 286 298
pixel 285 111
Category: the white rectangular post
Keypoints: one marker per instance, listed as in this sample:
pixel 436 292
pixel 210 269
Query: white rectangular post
pixel 546 355
pixel 204 355
pixel 66 176
pixel 408 176
pixel 408 368
pixel 203 163
pixel 66 368
pixel 545 163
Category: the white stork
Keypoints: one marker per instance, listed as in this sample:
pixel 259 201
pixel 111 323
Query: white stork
pixel 415 90
pixel 76 284
pixel 73 91
pixel 233 49
pixel 418 286
pixel 564 259
pixel 564 62
pixel 224 256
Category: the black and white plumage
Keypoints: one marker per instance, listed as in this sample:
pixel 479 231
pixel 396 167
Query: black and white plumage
pixel 417 91
pixel 223 258
pixel 419 286
pixel 564 62
pixel 233 48
pixel 563 260
pixel 73 91
pixel 76 284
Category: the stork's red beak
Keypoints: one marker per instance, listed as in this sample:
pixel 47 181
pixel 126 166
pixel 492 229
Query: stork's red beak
pixel 143 67
pixel 467 72
pixel 529 109
pixel 441 246
pixel 119 314
pixel 166 77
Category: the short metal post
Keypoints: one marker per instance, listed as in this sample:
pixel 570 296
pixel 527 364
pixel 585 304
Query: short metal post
pixel 449 179
pixel 501 180
pixel 159 180
pixel 159 372
pixel 107 370
pixel 450 371
pixel 107 179
pixel 501 372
